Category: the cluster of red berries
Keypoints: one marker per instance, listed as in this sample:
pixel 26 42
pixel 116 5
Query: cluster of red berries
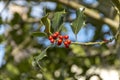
pixel 57 38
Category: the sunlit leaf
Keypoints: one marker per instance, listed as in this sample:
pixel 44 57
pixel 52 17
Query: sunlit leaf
pixel 87 62
pixel 77 50
pixel 97 60
pixel 57 20
pixel 39 34
pixel 79 22
pixel 12 69
pixel 46 21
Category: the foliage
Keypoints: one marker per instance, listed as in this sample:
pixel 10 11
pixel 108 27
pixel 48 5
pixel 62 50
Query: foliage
pixel 30 56
pixel 79 22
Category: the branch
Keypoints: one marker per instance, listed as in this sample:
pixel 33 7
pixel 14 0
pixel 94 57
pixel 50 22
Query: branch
pixel 90 43
pixel 116 4
pixel 118 31
pixel 88 12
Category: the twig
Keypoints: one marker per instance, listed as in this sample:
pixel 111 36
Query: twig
pixel 90 43
pixel 117 4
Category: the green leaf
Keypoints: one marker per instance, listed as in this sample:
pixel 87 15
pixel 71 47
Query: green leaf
pixel 41 55
pixel 97 60
pixel 12 69
pixel 62 28
pixel 2 38
pixel 16 19
pixel 1 20
pixel 79 21
pixel 39 34
pixel 57 20
pixel 77 50
pixel 46 21
pixel 87 62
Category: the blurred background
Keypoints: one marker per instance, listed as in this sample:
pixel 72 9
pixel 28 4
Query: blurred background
pixel 19 18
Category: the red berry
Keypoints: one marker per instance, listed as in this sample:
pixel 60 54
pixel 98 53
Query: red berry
pixel 57 33
pixel 66 46
pixel 65 43
pixel 52 40
pixel 60 37
pixel 59 41
pixel 50 37
pixel 68 41
pixel 66 37
pixel 54 36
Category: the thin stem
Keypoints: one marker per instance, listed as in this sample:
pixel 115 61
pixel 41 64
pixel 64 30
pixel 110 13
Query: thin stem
pixel 75 37
pixel 90 43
